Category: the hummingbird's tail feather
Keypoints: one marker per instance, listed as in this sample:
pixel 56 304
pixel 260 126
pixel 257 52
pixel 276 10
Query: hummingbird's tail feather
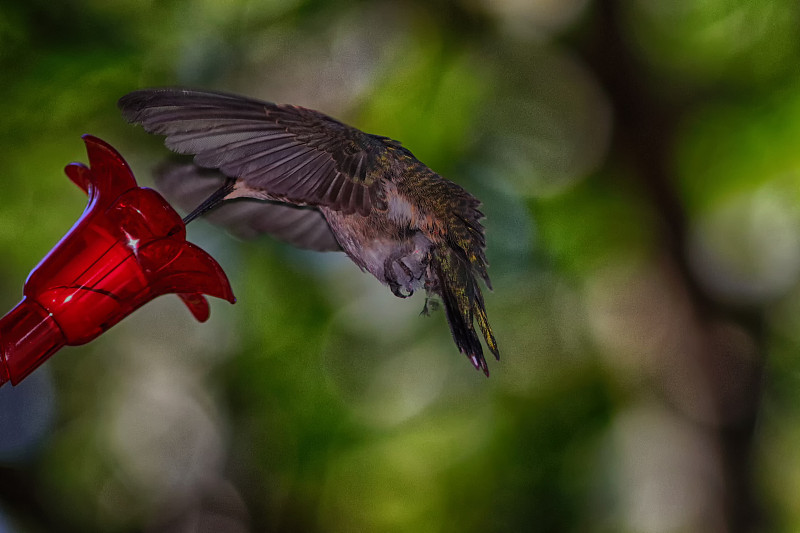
pixel 463 302
pixel 480 314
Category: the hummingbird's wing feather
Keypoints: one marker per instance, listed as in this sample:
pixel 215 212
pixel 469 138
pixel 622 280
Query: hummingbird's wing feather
pixel 450 208
pixel 290 153
pixel 186 184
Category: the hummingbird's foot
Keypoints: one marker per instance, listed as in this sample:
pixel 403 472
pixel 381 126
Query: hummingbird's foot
pixel 431 304
pixel 397 289
pixel 391 277
pixel 405 268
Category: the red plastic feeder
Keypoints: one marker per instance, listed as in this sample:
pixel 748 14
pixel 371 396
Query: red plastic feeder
pixel 128 247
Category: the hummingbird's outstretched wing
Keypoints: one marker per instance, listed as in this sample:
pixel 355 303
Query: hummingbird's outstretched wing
pixel 187 185
pixel 291 153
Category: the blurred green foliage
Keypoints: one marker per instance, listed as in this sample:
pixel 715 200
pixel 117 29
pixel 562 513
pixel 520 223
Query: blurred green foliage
pixel 644 240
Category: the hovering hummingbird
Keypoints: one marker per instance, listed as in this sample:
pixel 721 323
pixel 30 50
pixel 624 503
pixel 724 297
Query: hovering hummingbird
pixel 329 186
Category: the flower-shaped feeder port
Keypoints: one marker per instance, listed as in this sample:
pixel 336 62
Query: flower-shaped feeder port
pixel 128 247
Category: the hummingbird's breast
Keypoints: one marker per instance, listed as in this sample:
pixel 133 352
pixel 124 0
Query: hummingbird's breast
pixel 392 251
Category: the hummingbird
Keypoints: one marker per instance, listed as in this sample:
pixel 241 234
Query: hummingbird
pixel 329 186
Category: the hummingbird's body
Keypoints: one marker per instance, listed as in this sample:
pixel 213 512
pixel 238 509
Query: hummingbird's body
pixel 330 186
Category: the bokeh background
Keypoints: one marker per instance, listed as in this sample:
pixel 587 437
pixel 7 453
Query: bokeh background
pixel 639 167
